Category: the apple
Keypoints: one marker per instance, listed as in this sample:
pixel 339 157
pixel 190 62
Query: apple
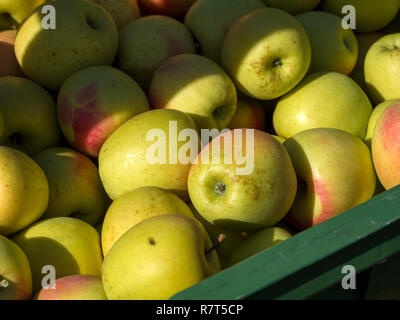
pixel 74 183
pixel 157 258
pixel 126 161
pixel 257 242
pixel 381 69
pixel 15 272
pixel 197 86
pixel 13 12
pixel 85 35
pixel 29 115
pixel 173 8
pixel 334 171
pixel 8 62
pixel 365 41
pixel 219 17
pixel 266 52
pixel 226 241
pixel 393 27
pixel 145 43
pixel 323 99
pixel 375 115
pixel 249 114
pixel 136 206
pixel 69 245
pixel 75 287
pixel 245 200
pixel 280 139
pixel 333 48
pixel 293 6
pixel 371 15
pixel 24 191
pixel 386 145
pixel 122 11
pixel 95 101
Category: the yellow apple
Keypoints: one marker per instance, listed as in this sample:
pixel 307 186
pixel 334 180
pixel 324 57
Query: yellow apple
pixel 13 12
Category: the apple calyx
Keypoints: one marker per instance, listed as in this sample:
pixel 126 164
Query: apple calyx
pixel 221 238
pixel 277 63
pixel 4 283
pixel 220 188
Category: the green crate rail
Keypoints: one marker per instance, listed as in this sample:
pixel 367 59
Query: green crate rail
pixel 310 262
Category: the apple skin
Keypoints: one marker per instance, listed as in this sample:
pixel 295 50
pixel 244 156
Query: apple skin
pixel 333 48
pixel 122 11
pixel 135 206
pixel 13 12
pixel 371 15
pixel 8 62
pixel 75 287
pixel 24 190
pixel 381 67
pixel 173 8
pixel 365 41
pixel 123 164
pixel 145 43
pixel 15 269
pixel 248 202
pixel 373 119
pixel 85 35
pixel 315 103
pixel 157 258
pixel 257 242
pixel 266 52
pixel 293 6
pixel 197 86
pixel 335 173
pixel 95 101
pixel 249 114
pixel 70 245
pixel 74 183
pixel 29 115
pixel 220 15
pixel 386 146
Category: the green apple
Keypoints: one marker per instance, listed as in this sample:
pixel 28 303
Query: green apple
pixel 126 161
pixel 381 69
pixel 69 245
pixel 334 171
pixel 333 48
pixel 85 35
pixel 243 200
pixel 293 6
pixel 122 11
pixel 74 183
pixel 24 191
pixel 197 86
pixel 371 15
pixel 8 62
pixel 249 114
pixel 157 258
pixel 257 242
pixel 365 41
pixel 373 119
pixel 13 12
pixel 75 287
pixel 145 43
pixel 226 241
pixel 136 206
pixel 323 99
pixel 266 52
pixel 173 8
pixel 15 272
pixel 210 20
pixel 95 101
pixel 386 145
pixel 29 115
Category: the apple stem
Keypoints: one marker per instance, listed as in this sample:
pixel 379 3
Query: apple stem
pixel 221 238
pixel 4 283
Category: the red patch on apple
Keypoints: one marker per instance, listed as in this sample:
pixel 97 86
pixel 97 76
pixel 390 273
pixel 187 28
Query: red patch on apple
pixel 65 111
pixel 327 206
pixel 87 93
pixel 390 129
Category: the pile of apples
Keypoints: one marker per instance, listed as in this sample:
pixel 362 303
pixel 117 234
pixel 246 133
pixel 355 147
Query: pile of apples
pixel 84 214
